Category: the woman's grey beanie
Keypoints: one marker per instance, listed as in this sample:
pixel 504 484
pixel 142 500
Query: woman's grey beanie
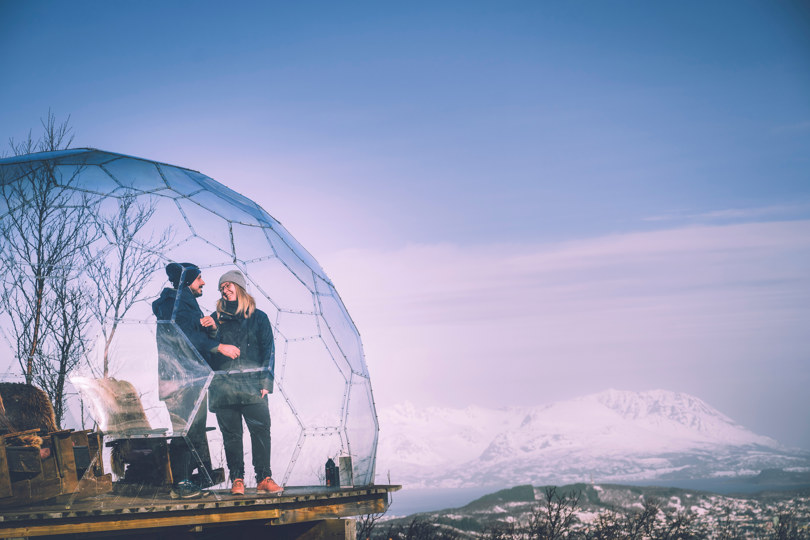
pixel 234 276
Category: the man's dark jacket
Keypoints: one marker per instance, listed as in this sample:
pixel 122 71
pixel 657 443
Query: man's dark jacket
pixel 254 337
pixel 187 316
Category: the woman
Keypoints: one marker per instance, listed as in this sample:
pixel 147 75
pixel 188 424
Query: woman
pixel 242 392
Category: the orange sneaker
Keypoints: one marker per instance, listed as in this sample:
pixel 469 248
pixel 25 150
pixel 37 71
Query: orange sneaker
pixel 269 486
pixel 238 487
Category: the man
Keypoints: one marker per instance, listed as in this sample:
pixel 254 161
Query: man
pixel 179 304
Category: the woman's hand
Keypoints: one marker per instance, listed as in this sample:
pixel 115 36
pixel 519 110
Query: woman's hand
pixel 231 351
pixel 265 391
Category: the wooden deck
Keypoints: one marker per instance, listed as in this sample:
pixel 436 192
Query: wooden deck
pixel 154 514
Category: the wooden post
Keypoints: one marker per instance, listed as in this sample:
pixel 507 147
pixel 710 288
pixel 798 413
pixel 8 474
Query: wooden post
pixel 325 529
pixel 5 481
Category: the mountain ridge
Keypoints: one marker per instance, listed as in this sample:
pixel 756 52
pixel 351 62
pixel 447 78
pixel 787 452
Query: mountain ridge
pixel 611 435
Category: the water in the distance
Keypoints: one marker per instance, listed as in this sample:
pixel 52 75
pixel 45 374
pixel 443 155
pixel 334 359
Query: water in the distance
pixel 412 501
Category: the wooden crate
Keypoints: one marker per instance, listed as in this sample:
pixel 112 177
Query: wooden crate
pixel 29 474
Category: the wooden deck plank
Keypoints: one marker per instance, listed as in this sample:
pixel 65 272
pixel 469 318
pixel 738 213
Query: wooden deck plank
pixel 114 512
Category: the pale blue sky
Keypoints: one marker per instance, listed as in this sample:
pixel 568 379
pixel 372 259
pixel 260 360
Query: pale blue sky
pixel 599 193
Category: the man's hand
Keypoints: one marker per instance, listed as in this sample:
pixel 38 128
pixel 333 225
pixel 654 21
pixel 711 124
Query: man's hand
pixel 265 391
pixel 208 322
pixel 231 351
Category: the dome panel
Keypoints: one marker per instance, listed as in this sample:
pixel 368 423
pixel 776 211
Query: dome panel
pixel 220 206
pixel 361 429
pixel 312 383
pixel 286 433
pixel 206 225
pixel 308 466
pixel 301 253
pixel 343 331
pixel 250 243
pixel 334 350
pixel 189 248
pixel 237 205
pixel 323 287
pixel 274 281
pixel 291 260
pixel 178 180
pixel 94 179
pixel 135 174
pixel 297 326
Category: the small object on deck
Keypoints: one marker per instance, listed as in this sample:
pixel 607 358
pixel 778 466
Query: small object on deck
pixel 346 475
pixel 332 476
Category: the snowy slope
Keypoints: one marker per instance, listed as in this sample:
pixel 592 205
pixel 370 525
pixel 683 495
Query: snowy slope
pixel 610 436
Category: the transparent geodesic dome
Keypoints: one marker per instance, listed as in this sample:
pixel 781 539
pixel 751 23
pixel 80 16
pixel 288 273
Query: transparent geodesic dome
pixel 156 380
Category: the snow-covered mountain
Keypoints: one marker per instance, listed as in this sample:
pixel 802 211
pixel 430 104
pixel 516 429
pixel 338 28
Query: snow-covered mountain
pixel 610 436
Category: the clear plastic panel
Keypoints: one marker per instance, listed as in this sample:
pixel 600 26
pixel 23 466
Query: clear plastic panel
pixel 181 382
pixel 250 243
pixel 167 216
pixel 323 287
pixel 45 156
pixel 297 326
pixel 15 184
pixel 275 282
pixel 220 205
pixel 230 197
pixel 343 330
pixel 15 171
pixel 313 384
pixel 292 260
pixel 305 257
pixel 66 175
pixel 308 466
pixel 286 432
pixel 206 225
pixel 94 179
pixel 178 180
pixel 135 174
pixel 340 359
pixel 361 429
pixel 183 376
pixel 189 248
pixel 84 157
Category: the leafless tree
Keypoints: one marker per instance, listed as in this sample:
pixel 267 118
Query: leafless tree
pixel 505 531
pixel 122 267
pixel 67 315
pixel 553 518
pixel 607 526
pixel 367 523
pixel 45 227
pixel 651 522
pixel 786 527
pixel 421 529
pixel 42 233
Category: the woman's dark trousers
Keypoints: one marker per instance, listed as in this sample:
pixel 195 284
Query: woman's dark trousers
pixel 257 418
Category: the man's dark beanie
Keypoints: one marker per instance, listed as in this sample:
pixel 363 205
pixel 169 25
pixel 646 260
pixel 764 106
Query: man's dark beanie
pixel 187 271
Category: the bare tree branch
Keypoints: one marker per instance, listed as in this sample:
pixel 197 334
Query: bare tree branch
pixel 122 267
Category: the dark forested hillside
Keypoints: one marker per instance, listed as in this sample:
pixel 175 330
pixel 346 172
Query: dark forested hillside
pixel 608 511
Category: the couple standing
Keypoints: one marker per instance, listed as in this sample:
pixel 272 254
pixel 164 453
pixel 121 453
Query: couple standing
pixel 237 341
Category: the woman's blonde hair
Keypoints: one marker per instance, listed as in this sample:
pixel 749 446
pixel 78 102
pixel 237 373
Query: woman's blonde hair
pixel 245 304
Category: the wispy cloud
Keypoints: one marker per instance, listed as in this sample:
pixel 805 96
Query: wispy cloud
pixel 775 212
pixel 508 323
